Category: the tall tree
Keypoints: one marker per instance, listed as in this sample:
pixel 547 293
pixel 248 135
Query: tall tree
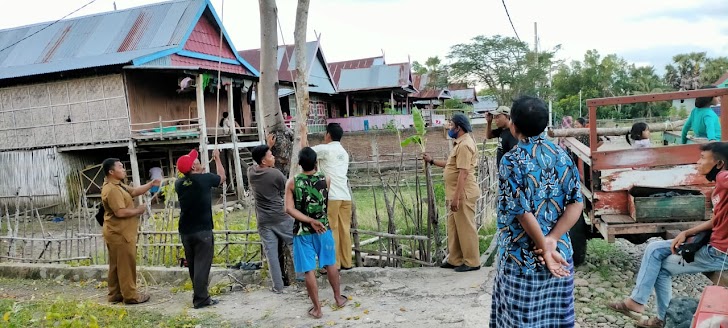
pixel 684 73
pixel 714 69
pixel 504 64
pixel 302 97
pixel 267 98
pixel 437 73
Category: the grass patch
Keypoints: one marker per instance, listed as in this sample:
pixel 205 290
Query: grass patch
pixel 604 256
pixel 404 207
pixel 70 313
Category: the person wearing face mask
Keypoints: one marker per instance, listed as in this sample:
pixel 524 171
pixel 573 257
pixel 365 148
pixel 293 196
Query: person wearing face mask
pixel 461 193
pixel 660 261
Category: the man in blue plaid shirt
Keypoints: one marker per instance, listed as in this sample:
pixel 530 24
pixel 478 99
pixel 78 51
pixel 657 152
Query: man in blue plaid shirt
pixel 539 200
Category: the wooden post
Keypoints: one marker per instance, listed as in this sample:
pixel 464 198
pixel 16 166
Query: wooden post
pixel 391 100
pixel 171 164
pixel 236 152
pixel 593 128
pixel 723 118
pixel 347 106
pixel 204 157
pixel 135 177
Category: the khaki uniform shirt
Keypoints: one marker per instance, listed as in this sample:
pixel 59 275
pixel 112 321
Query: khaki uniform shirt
pixel 115 196
pixel 462 156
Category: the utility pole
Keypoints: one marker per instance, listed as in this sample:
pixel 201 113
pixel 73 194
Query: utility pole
pixel 551 117
pixel 535 51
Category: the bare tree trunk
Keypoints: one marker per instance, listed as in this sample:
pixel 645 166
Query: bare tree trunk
pixel 267 98
pixel 302 97
pixel 654 127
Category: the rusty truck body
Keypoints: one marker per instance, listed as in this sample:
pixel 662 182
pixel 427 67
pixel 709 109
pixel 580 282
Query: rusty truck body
pixel 616 183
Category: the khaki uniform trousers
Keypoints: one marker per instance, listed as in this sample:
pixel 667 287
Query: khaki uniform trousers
pixel 339 213
pixel 462 236
pixel 122 271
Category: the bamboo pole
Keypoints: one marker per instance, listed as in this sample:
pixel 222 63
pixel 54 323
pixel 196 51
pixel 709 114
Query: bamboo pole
pixel 390 235
pixel 654 127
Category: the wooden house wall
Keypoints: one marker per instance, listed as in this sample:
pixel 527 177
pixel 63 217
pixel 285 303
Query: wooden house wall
pixel 154 95
pixel 74 111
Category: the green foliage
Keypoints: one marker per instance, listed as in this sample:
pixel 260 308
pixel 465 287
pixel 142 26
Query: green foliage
pixel 604 256
pixel 72 314
pixel 437 73
pixel 455 104
pixel 505 65
pixel 420 131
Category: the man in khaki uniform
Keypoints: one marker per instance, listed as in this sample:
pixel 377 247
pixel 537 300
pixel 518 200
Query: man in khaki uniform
pixel 121 222
pixel 462 193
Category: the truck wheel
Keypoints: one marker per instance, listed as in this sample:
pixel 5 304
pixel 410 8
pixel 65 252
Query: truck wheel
pixel 579 236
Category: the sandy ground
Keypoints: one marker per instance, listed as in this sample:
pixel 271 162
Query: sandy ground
pixel 422 297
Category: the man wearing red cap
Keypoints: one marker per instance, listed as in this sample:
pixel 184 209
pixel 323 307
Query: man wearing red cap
pixel 195 221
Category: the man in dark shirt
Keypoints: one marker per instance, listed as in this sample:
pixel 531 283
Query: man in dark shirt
pixel 275 227
pixel 506 141
pixel 195 221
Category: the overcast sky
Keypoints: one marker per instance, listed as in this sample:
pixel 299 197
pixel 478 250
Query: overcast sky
pixel 641 31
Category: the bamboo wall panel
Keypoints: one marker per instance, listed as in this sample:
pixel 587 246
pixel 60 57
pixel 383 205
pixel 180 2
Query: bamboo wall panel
pixel 76 111
pixel 45 175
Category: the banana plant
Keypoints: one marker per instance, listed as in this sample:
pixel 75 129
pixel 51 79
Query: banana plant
pixel 433 231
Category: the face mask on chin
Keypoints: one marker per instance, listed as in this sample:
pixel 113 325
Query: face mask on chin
pixel 713 173
pixel 453 134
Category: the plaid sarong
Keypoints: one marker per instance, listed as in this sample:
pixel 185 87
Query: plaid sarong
pixel 531 300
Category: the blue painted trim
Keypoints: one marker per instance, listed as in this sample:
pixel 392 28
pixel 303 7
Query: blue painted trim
pixel 228 40
pixel 197 55
pixel 159 54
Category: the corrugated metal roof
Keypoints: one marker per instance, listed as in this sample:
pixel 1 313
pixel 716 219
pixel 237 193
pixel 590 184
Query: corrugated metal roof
pixel 287 65
pixel 337 67
pixel 485 103
pixel 465 95
pixel 109 38
pixel 376 77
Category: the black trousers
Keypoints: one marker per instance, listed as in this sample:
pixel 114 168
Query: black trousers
pixel 199 250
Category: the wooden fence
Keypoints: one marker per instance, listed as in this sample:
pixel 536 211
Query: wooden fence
pixel 409 226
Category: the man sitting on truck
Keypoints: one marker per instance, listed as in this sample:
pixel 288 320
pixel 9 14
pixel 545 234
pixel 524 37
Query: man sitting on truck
pixel 661 262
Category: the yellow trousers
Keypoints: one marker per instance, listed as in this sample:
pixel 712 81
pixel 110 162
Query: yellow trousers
pixel 339 212
pixel 462 236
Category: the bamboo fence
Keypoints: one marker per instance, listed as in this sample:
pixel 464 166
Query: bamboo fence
pixel 405 233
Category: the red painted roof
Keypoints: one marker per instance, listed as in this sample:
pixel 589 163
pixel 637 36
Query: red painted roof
pixel 205 39
pixel 177 60
pixel 252 56
pixel 336 67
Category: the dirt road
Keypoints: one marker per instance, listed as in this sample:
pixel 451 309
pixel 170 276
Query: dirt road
pixel 422 297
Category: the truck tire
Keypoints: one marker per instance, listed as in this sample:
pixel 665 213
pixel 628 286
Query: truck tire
pixel 579 235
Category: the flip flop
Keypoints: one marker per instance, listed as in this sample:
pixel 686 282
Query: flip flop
pixel 313 316
pixel 345 302
pixel 653 322
pixel 623 309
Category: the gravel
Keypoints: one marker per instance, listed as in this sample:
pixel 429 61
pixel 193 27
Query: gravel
pixel 612 279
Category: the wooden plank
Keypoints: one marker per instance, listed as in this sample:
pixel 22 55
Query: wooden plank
pixel 646 157
pixel 640 228
pixel 656 97
pixel 579 149
pixel 613 202
pixel 617 219
pixel 667 177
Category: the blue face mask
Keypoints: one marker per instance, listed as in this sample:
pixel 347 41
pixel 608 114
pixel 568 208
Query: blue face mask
pixel 452 133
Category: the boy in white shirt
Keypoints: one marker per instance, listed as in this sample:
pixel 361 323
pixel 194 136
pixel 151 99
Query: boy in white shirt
pixel 333 161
